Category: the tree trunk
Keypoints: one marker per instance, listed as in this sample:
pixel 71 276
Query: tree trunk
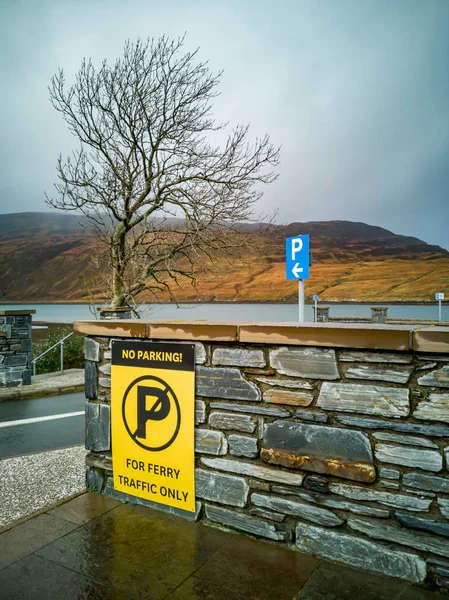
pixel 118 268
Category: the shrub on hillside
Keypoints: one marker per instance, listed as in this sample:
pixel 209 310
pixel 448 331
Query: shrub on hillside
pixel 73 352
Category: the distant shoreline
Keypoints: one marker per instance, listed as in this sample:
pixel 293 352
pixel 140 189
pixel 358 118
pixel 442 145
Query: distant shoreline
pixel 237 302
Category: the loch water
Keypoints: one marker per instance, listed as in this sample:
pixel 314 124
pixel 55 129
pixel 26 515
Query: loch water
pixel 67 313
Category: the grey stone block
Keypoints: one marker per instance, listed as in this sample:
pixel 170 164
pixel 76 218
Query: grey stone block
pixel 20 332
pixel 240 445
pixel 228 384
pixel 409 440
pixel 94 479
pixel 428 430
pixel 90 380
pixel 375 357
pixel 200 412
pixel 11 377
pixel 185 514
pixel 334 451
pixel 341 547
pixel 27 345
pixel 229 421
pixel 420 541
pixel 309 415
pixel 92 350
pixel 378 374
pixel 388 498
pixel 340 504
pixel 252 410
pixel 16 360
pixel 252 470
pixel 286 383
pixel 366 399
pixel 391 485
pixel 428 525
pixel 221 488
pixel 210 442
pixel 104 382
pixel 389 473
pixel 426 367
pixel 6 329
pixel 436 408
pixel 315 483
pixel 438 378
pixel 98 426
pixel 284 490
pixel 105 369
pixel 309 363
pixel 267 514
pixel 238 357
pixel 200 353
pixel 443 503
pixel 297 509
pixel 99 461
pixel 428 460
pixel 245 522
pixel 26 377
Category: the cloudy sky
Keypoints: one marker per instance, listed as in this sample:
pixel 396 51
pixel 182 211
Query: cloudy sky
pixel 355 91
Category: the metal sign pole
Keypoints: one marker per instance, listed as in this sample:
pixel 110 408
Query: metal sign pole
pixel 301 300
pixel 439 296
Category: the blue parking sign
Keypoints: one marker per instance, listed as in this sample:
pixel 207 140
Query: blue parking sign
pixel 297 257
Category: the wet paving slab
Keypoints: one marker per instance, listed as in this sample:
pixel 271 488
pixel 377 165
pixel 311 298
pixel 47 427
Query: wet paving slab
pixel 95 548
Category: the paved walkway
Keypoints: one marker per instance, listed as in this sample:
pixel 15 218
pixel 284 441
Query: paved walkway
pixel 49 384
pixel 92 547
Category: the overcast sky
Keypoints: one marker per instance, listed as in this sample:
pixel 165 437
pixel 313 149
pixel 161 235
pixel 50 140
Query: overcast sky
pixel 355 91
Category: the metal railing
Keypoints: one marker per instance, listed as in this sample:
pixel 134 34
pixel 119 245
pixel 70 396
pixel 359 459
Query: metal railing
pixel 60 343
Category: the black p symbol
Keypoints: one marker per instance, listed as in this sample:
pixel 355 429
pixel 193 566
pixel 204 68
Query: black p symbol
pixel 158 412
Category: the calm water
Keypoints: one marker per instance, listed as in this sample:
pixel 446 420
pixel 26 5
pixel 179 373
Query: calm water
pixel 66 313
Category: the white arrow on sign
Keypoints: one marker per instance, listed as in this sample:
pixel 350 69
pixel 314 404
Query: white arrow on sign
pixel 297 270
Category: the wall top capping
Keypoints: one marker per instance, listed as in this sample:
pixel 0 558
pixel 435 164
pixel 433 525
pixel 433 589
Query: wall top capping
pixel 431 339
pixel 14 313
pixel 341 335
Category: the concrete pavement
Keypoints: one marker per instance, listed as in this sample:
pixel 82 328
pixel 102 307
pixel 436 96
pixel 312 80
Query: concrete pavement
pixel 93 547
pixel 48 384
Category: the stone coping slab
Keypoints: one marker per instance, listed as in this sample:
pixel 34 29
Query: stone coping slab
pixel 431 339
pixel 344 335
pixel 14 313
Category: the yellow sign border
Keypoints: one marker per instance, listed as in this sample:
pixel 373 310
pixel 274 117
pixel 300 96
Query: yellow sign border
pixel 165 476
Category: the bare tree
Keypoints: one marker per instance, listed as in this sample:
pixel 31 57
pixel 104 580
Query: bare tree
pixel 146 156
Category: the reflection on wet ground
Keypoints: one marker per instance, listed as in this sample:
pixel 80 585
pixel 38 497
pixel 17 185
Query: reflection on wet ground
pixel 94 548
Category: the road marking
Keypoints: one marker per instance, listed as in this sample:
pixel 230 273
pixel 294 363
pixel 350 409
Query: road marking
pixel 39 419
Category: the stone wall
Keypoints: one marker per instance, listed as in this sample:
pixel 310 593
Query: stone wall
pixel 15 347
pixel 333 440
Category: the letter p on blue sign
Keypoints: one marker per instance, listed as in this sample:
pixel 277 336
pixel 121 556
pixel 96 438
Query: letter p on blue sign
pixel 297 257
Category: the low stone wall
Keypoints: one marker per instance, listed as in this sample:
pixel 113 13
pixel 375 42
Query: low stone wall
pixel 331 439
pixel 15 347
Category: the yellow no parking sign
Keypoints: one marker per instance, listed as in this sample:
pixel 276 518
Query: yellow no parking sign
pixel 153 417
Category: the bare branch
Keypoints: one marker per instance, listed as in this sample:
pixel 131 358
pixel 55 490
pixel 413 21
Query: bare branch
pixel 159 195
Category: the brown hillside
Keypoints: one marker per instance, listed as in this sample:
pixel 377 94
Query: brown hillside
pixel 46 257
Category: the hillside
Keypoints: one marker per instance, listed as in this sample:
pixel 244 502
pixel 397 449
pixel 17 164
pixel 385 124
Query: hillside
pixel 46 257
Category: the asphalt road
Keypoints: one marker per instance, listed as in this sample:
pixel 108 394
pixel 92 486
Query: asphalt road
pixel 41 424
